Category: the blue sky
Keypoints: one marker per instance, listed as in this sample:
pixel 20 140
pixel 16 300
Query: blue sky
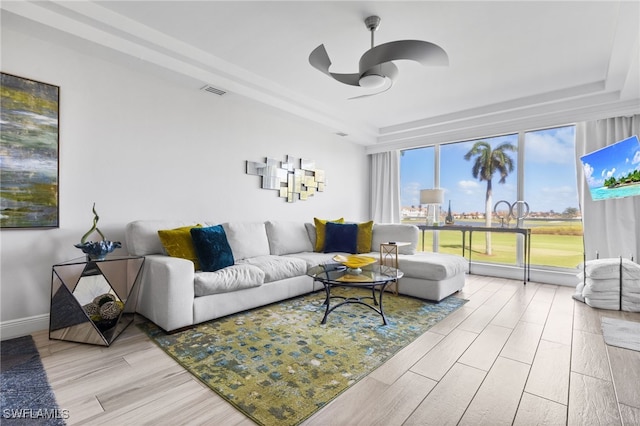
pixel 615 160
pixel 550 173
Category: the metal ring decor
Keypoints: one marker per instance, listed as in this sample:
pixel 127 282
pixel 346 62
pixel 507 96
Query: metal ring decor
pixel 513 214
pixel 512 211
pixel 502 218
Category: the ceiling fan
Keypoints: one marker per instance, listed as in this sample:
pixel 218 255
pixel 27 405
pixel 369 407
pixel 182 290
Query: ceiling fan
pixel 376 68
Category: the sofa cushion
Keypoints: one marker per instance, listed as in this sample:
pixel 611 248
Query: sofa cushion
pixel 320 225
pixel 212 248
pixel 277 267
pixel 287 237
pixel 142 235
pixel 247 239
pixel 432 266
pixel 365 235
pixel 178 243
pixel 340 237
pixel 314 259
pixel 311 232
pixel 232 278
pixel 383 233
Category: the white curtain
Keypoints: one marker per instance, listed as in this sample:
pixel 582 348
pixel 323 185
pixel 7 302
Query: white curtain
pixel 611 227
pixel 385 187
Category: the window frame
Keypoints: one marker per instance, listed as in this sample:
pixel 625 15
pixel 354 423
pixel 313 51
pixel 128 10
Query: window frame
pixel 520 184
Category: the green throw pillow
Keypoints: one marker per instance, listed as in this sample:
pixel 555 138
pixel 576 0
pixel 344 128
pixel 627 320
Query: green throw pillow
pixel 178 243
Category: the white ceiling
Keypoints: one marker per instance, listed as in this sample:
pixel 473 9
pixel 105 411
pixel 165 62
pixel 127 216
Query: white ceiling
pixel 512 64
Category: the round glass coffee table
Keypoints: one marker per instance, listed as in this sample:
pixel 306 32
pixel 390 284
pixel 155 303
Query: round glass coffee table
pixel 373 277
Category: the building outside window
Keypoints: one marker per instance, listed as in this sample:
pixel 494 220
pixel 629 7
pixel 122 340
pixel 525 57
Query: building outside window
pixel 417 172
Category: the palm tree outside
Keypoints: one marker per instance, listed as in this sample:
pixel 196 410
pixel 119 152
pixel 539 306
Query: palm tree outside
pixel 487 161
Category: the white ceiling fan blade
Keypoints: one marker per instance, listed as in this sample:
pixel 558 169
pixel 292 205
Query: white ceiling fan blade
pixel 414 50
pixel 319 59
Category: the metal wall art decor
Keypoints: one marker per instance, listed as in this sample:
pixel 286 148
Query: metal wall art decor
pixel 294 178
pixel 29 153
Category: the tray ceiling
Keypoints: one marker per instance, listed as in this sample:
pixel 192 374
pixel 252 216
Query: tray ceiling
pixel 512 63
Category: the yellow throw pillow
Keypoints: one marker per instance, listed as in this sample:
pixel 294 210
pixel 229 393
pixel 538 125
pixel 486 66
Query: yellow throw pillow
pixel 320 232
pixel 178 243
pixel 365 235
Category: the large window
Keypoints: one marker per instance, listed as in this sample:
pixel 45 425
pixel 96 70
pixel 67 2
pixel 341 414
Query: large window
pixel 550 185
pixel 417 172
pixel 481 179
pixel 476 175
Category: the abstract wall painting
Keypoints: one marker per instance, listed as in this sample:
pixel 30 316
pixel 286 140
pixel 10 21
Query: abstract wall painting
pixel 29 142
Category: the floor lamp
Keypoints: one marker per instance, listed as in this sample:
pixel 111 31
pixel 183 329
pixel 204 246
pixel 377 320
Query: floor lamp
pixel 434 197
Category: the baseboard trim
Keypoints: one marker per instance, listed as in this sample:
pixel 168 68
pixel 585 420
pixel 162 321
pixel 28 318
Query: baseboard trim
pixel 23 326
pixel 564 277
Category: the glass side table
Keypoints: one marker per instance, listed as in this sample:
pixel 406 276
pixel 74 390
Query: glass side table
pixel 93 301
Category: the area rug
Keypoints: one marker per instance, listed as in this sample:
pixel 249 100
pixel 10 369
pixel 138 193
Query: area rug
pixel 279 365
pixel 621 333
pixel 26 397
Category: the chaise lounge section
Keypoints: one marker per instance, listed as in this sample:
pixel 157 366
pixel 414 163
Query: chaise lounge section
pixel 270 264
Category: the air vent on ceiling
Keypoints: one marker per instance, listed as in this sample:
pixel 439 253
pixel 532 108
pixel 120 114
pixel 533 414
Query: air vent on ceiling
pixel 213 90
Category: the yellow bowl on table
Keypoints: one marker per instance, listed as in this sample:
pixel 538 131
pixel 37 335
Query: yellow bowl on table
pixel 354 262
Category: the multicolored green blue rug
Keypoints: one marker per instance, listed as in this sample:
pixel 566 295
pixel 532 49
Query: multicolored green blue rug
pixel 279 365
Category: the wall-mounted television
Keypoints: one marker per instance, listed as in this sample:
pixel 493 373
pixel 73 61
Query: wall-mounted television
pixel 613 171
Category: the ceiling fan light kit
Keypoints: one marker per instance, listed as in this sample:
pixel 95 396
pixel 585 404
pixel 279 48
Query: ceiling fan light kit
pixel 376 68
pixel 372 81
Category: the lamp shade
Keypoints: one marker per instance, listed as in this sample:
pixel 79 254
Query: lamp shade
pixel 432 196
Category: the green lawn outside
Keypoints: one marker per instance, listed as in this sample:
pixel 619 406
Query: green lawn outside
pixel 547 248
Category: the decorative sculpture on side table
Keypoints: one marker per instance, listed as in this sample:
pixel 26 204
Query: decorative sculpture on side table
pixel 100 249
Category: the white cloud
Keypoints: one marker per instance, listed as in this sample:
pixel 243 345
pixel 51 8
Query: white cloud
pixel 588 170
pixel 588 174
pixel 553 198
pixel 607 173
pixel 468 186
pixel 547 147
pixel 636 158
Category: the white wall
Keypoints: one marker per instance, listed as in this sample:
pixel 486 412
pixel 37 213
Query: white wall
pixel 145 147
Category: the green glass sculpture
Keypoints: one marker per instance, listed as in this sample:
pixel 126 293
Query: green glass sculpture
pixel 100 249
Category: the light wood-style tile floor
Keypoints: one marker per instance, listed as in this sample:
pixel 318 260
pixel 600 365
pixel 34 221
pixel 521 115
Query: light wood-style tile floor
pixel 513 355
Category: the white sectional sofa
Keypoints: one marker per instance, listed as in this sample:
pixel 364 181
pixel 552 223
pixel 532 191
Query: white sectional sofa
pixel 271 260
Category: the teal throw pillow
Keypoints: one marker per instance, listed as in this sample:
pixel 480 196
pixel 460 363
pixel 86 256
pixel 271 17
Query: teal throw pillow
pixel 212 248
pixel 341 237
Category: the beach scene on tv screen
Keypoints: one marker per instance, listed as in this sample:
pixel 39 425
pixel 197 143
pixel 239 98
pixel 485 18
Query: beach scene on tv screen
pixel 614 171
